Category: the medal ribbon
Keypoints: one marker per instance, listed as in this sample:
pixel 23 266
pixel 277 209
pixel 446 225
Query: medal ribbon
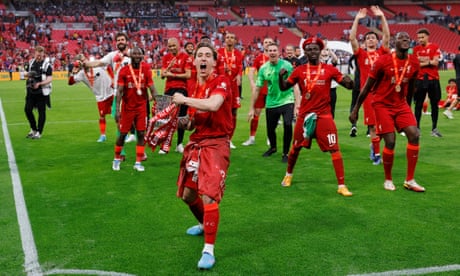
pixel 118 59
pixel 90 76
pixel 398 77
pixel 230 64
pixel 312 83
pixel 136 82
pixel 372 58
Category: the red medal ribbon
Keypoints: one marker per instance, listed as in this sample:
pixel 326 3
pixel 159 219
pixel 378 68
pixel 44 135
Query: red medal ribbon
pixel 137 83
pixel 311 83
pixel 90 76
pixel 399 78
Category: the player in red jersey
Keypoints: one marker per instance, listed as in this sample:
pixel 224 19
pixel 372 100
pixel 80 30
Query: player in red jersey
pixel 132 97
pixel 116 60
pixel 314 79
pixel 230 63
pixel 365 58
pixel 189 48
pixel 428 79
pixel 260 60
pixel 451 101
pixel 203 168
pixel 176 68
pixel 393 77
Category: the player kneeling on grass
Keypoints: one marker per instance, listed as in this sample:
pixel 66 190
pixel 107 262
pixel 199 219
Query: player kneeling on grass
pixel 451 101
pixel 392 78
pixel 315 118
pixel 206 158
pixel 132 97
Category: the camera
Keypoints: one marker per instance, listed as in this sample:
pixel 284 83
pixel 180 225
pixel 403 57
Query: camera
pixel 32 79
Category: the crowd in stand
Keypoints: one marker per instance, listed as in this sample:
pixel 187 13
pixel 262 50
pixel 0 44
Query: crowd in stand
pixel 143 23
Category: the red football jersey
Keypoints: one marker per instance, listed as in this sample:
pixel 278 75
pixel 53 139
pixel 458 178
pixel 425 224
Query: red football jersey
pixel 176 64
pixel 430 51
pixel 385 92
pixel 214 124
pixel 365 60
pixel 127 78
pixel 321 76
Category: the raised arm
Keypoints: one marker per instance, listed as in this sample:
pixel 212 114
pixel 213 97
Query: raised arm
pixel 385 29
pixel 362 13
pixel 212 103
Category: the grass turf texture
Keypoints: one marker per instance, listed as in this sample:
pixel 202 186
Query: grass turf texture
pixel 86 216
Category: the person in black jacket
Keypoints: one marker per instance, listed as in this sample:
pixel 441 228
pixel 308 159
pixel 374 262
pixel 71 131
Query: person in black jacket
pixel 38 86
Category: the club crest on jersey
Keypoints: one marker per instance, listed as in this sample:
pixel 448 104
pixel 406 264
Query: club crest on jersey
pixel 223 85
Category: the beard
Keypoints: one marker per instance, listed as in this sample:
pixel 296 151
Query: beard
pixel 121 47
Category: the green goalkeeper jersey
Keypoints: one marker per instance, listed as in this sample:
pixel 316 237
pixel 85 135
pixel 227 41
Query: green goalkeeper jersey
pixel 270 72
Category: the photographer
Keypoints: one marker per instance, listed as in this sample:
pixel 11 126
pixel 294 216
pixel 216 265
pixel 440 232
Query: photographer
pixel 38 88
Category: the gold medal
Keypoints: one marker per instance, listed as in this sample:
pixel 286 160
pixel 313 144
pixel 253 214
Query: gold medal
pixel 307 96
pixel 397 77
pixel 139 92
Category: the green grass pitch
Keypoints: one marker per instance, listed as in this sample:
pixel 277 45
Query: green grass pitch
pixel 86 217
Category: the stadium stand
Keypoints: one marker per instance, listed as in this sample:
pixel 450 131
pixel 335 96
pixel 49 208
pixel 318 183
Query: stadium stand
pixel 452 9
pixel 410 12
pixel 65 32
pixel 251 34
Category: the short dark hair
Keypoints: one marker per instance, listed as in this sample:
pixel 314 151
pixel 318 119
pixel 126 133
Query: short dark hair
pixel 208 45
pixel 370 33
pixel 138 48
pixel 423 31
pixel 187 43
pixel 121 34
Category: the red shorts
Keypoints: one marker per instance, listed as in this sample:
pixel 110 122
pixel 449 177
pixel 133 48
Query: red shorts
pixel 325 134
pixel 138 117
pixel 389 119
pixel 369 112
pixel 260 101
pixel 236 103
pixel 105 106
pixel 213 156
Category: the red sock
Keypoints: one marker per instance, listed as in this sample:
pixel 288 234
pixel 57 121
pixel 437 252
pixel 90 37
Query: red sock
pixel 292 159
pixel 412 157
pixel 254 125
pixel 118 150
pixel 139 153
pixel 197 209
pixel 337 162
pixel 233 125
pixel 425 107
pixel 376 145
pixel 388 157
pixel 211 222
pixel 102 125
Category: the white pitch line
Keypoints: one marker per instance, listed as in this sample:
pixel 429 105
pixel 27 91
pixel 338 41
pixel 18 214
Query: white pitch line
pixel 31 265
pixel 415 271
pixel 85 272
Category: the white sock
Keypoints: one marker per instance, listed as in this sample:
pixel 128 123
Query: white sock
pixel 209 248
